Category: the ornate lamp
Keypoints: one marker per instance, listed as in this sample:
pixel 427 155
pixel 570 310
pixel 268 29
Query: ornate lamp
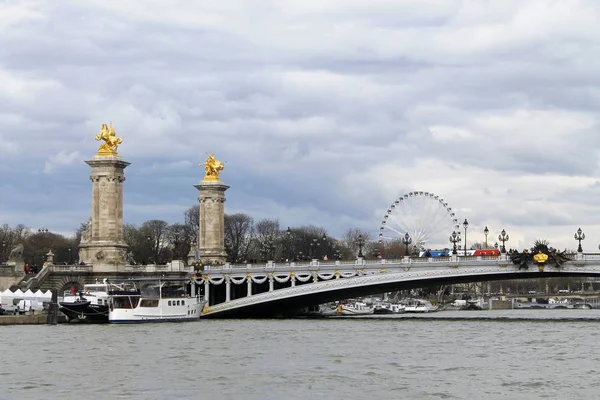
pixel 579 236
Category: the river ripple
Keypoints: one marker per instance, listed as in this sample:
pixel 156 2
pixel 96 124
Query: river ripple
pixel 517 354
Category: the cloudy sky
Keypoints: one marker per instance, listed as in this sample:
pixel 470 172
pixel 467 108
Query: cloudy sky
pixel 325 111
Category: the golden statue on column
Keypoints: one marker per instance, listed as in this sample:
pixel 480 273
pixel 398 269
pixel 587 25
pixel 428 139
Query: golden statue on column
pixel 212 167
pixel 111 141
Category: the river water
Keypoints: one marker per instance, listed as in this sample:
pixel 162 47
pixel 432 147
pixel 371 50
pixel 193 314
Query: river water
pixel 516 354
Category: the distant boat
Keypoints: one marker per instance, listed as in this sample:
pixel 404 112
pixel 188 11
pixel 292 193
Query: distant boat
pixel 388 308
pixel 358 308
pixel 418 306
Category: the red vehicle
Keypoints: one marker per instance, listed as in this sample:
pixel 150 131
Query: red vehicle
pixel 486 252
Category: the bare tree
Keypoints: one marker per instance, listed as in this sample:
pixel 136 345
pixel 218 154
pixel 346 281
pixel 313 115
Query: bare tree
pixel 238 231
pixel 192 224
pixel 266 239
pixel 156 232
pixel 178 241
pixel 351 239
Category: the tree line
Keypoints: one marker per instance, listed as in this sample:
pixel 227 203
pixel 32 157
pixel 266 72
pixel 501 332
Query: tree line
pixel 246 241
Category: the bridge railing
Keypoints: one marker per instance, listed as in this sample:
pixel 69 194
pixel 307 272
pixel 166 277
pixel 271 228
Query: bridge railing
pixel 158 268
pixel 70 268
pixel 362 263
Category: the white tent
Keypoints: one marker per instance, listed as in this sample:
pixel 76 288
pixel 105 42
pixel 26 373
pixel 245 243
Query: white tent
pixel 43 296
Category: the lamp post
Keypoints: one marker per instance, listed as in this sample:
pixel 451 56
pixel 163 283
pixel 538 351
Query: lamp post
pixel 43 230
pixel 338 253
pixel 288 237
pixel 485 232
pixel 176 246
pixel 70 262
pixel 360 242
pixel 4 251
pixel 149 240
pixel 454 238
pixel 579 236
pixel 466 225
pixel 406 241
pixel 503 237
pixel 324 241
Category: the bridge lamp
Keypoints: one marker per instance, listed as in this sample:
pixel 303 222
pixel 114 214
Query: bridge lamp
pixel 496 245
pixel 579 236
pixel 288 236
pixel 406 241
pixel 466 225
pixel 360 242
pixel 149 240
pixel 3 250
pixel 485 232
pixel 324 240
pixel 454 238
pixel 69 249
pixel 43 230
pixel 503 237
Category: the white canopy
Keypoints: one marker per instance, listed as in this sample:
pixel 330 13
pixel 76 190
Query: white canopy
pixel 28 295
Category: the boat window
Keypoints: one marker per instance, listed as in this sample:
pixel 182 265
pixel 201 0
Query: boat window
pixel 177 302
pixel 149 303
pixel 183 302
pixel 169 302
pixel 122 302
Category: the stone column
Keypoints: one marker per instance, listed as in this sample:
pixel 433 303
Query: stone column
pixel 211 238
pixel 104 246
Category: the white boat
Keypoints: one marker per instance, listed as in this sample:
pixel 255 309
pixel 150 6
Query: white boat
pixel 156 300
pixel 358 308
pixel 418 306
pixel 385 307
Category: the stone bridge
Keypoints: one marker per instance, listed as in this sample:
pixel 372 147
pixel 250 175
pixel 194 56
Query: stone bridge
pixel 280 289
pixel 63 277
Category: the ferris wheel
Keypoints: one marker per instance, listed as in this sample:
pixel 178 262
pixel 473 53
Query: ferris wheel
pixel 426 217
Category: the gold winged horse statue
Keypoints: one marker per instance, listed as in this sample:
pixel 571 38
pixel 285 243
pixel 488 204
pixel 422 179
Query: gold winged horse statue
pixel 111 141
pixel 212 167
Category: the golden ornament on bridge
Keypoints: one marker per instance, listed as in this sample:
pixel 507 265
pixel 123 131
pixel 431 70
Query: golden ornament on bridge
pixel 212 167
pixel 540 257
pixel 111 141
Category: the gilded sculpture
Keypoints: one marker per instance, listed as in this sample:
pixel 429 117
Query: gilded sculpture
pixel 212 167
pixel 111 141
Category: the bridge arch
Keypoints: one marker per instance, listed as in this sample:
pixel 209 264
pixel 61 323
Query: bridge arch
pixel 289 300
pixel 67 282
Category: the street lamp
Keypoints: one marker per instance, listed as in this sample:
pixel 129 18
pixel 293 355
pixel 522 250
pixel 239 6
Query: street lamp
pixel 579 236
pixel 70 262
pixel 176 246
pixel 466 225
pixel 43 230
pixel 454 238
pixel 485 232
pixel 406 240
pixel 338 253
pixel 149 239
pixel 325 246
pixel 288 236
pixel 360 242
pixel 3 250
pixel 503 237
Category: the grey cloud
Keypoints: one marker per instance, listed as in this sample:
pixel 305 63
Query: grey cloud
pixel 300 99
